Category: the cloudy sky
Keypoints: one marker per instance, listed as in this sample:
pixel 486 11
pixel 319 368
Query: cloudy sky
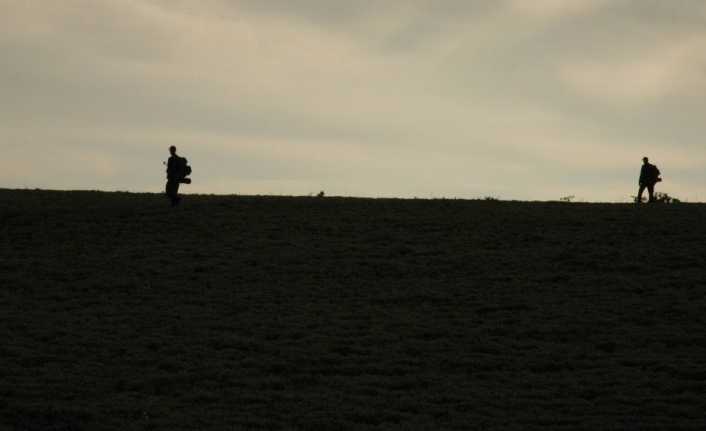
pixel 519 99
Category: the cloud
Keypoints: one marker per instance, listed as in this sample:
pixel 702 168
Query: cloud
pixel 555 8
pixel 673 68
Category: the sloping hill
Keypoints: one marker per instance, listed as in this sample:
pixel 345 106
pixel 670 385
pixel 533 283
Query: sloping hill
pixel 233 312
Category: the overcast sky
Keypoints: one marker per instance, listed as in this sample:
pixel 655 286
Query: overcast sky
pixel 519 99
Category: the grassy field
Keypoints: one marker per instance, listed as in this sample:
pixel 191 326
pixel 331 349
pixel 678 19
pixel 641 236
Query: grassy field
pixel 238 312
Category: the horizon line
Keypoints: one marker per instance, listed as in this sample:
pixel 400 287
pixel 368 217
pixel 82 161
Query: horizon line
pixel 487 198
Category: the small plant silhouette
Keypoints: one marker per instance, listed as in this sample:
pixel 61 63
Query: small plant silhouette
pixel 659 197
pixel 664 198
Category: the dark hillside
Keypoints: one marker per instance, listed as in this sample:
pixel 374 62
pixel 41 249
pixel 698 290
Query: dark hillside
pixel 120 313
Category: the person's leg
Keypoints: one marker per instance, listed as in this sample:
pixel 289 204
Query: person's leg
pixel 177 198
pixel 651 192
pixel 639 194
pixel 172 189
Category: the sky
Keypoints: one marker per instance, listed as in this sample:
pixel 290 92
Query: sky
pixel 516 99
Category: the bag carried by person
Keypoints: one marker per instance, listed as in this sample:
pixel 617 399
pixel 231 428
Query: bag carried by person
pixel 656 174
pixel 184 170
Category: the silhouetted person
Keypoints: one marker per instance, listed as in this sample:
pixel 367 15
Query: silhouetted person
pixel 649 176
pixel 174 176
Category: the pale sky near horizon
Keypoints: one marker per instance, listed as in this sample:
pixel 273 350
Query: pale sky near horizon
pixel 518 99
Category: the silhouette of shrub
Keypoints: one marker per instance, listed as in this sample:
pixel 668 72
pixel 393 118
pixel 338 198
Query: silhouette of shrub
pixel 659 197
pixel 665 198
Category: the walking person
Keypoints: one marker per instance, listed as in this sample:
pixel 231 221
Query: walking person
pixel 177 171
pixel 649 176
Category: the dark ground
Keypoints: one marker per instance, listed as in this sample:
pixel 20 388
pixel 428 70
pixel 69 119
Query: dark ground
pixel 229 313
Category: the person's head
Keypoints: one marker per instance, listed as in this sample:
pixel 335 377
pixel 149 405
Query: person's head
pixel 172 150
pixel 645 160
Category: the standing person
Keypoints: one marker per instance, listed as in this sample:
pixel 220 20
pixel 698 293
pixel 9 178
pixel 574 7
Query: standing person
pixel 174 175
pixel 649 176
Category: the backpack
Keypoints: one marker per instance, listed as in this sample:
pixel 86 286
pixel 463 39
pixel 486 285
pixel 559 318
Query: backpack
pixel 183 170
pixel 183 167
